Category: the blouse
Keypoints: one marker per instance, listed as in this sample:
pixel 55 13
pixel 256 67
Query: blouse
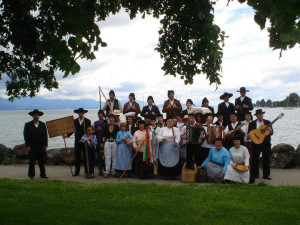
pixel 123 134
pixel 220 157
pixel 139 140
pixel 239 156
pixel 167 133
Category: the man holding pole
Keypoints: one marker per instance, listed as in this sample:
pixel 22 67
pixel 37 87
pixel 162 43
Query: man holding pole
pixel 81 123
pixel 112 104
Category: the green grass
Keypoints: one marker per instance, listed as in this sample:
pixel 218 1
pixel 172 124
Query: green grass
pixel 58 202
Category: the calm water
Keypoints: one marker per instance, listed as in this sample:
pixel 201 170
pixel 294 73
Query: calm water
pixel 286 130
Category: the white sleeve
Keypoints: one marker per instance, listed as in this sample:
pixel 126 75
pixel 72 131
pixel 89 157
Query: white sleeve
pixel 177 134
pixel 246 156
pixel 160 135
pixel 226 129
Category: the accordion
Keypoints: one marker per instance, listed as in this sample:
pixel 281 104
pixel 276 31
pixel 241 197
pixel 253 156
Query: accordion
pixel 193 134
pixel 215 132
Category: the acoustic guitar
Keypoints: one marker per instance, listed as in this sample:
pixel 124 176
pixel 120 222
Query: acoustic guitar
pixel 258 135
pixel 231 135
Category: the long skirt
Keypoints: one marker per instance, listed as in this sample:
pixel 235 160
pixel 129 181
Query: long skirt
pixel 123 157
pixel 213 170
pixel 169 164
pixel 141 168
pixel 169 171
pixel 237 176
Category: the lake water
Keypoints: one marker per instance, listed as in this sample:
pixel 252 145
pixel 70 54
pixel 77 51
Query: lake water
pixel 286 130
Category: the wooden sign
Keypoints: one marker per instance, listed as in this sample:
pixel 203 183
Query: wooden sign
pixel 61 126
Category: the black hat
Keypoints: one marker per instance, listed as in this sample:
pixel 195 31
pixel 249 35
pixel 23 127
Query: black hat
pixel 247 112
pixel 233 114
pixel 237 137
pixel 225 94
pixel 218 114
pixel 243 89
pixel 101 111
pixel 112 92
pixel 111 115
pixel 190 101
pixel 132 95
pixel 170 91
pixel 204 100
pixel 152 117
pixel 36 111
pixel 259 111
pixel 150 97
pixel 207 115
pixel 80 110
pixel 147 116
pixel 141 122
pixel 160 115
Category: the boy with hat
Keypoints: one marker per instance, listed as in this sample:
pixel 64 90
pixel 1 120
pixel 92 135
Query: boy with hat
pixel 226 107
pixel 132 106
pixel 243 104
pixel 172 107
pixel 245 128
pixel 112 104
pixel 81 123
pixel 150 109
pixel 36 140
pixel 220 120
pixel 257 149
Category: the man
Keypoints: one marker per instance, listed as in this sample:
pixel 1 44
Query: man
pixel 36 140
pixel 205 104
pixel 160 121
pixel 172 107
pixel 112 104
pixel 243 104
pixel 150 109
pixel 233 129
pixel 98 127
pixel 132 106
pixel 264 148
pixel 220 120
pixel 117 114
pixel 226 107
pixel 81 123
pixel 189 107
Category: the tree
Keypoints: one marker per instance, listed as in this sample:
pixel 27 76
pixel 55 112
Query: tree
pixel 263 103
pixel 40 37
pixel 269 103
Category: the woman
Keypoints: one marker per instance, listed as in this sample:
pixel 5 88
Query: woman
pixel 216 162
pixel 131 126
pixel 239 155
pixel 168 153
pixel 124 140
pixel 205 147
pixel 142 169
pixel 110 146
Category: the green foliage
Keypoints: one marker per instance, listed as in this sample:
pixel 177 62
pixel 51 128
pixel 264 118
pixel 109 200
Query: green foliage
pixel 292 100
pixel 125 203
pixel 39 38
pixel 9 157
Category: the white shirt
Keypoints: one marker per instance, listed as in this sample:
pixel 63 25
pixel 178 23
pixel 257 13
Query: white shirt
pixel 220 122
pixel 245 129
pixel 259 123
pixel 172 102
pixel 242 98
pixel 130 104
pixel 227 104
pixel 150 107
pixel 234 125
pixel 81 121
pixel 166 132
pixel 36 124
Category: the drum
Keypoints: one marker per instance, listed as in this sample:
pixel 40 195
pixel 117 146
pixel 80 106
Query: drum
pixel 215 132
pixel 193 134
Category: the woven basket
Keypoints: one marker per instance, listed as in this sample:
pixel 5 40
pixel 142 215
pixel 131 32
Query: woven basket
pixel 187 175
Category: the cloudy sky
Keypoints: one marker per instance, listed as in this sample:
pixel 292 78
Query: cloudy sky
pixel 130 64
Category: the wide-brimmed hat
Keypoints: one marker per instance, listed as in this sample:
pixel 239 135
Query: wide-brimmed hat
pixel 243 89
pixel 186 117
pixel 225 94
pixel 117 112
pixel 36 111
pixel 259 111
pixel 129 114
pixel 80 110
pixel 190 101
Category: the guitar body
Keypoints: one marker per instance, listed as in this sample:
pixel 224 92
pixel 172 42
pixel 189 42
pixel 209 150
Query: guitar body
pixel 258 135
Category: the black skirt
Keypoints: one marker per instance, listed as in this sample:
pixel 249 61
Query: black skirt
pixel 142 169
pixel 169 171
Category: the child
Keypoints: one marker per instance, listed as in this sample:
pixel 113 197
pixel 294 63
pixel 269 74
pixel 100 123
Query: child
pixel 124 140
pixel 91 142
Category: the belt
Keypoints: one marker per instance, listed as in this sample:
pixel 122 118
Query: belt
pixel 111 140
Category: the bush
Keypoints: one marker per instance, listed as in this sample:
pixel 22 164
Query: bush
pixel 9 157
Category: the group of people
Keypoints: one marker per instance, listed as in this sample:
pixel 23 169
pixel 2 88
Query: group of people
pixel 143 147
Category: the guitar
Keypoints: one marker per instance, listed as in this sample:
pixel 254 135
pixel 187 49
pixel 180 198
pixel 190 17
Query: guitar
pixel 258 135
pixel 231 135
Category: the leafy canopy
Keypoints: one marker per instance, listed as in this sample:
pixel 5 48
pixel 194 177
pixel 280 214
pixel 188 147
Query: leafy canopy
pixel 40 37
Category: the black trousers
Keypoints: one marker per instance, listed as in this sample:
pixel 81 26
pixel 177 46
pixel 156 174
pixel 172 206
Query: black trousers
pixel 79 150
pixel 100 160
pixel 193 150
pixel 40 156
pixel 265 149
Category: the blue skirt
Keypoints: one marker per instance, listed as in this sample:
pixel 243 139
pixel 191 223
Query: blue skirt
pixel 124 154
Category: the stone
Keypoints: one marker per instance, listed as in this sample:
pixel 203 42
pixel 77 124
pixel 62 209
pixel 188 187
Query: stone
pixel 297 156
pixel 58 156
pixel 20 151
pixel 2 151
pixel 283 156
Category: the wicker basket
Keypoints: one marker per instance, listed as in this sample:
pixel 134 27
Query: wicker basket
pixel 187 175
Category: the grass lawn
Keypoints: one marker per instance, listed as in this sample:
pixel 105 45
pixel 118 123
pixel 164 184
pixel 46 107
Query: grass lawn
pixel 58 202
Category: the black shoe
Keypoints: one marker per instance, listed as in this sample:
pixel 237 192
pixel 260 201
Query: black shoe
pixel 31 178
pixel 44 177
pixel 75 174
pixel 251 181
pixel 267 178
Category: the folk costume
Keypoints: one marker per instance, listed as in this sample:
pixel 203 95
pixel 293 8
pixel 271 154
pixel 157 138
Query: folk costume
pixel 132 107
pixel 150 108
pixel 172 107
pixel 216 163
pixel 220 122
pixel 110 148
pixel 205 146
pixel 80 125
pixel 231 126
pixel 114 104
pixel 35 136
pixel 189 108
pixel 204 102
pixel 241 102
pixel 257 149
pixel 247 141
pixel 226 107
pixel 238 156
pixel 168 154
pixel 124 151
pixel 91 150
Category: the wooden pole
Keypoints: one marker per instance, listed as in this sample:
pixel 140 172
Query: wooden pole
pixel 100 98
pixel 68 156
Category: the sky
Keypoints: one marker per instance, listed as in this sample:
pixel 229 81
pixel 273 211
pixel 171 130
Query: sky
pixel 130 64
